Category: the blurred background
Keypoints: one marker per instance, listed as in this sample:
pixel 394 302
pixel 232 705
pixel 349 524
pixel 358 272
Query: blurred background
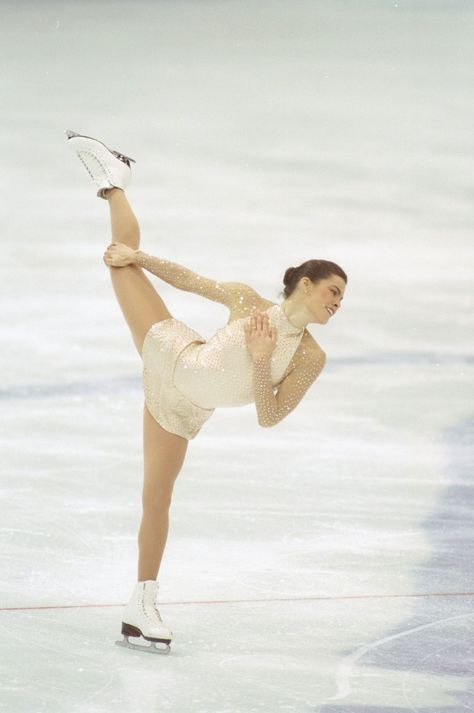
pixel 265 134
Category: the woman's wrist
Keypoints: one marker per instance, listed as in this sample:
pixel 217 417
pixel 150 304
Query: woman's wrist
pixel 260 359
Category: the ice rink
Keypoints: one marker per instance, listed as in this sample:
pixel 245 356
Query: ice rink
pixel 321 566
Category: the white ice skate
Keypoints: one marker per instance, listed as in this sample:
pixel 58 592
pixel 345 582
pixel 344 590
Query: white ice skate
pixel 107 168
pixel 142 618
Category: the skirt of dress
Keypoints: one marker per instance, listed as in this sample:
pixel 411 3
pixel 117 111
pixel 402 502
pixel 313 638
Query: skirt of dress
pixel 162 346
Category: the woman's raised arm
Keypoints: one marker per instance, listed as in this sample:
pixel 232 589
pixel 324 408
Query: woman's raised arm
pixel 227 293
pixel 185 279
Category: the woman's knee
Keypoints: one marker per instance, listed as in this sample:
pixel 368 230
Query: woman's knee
pixel 156 500
pixel 156 507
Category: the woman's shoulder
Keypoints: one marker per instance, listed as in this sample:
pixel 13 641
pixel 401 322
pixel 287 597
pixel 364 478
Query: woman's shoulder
pixel 247 303
pixel 309 349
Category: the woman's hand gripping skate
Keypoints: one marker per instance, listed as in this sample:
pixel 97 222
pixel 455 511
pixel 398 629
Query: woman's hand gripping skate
pixel 119 255
pixel 259 336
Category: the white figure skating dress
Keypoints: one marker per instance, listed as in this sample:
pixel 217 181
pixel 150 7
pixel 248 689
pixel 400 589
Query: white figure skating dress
pixel 186 377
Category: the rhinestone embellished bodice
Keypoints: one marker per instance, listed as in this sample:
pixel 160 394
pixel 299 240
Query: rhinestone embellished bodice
pixel 219 372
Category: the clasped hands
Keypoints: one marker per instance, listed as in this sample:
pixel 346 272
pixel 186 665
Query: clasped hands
pixel 259 336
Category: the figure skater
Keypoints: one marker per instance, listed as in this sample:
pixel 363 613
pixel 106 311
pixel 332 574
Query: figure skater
pixel 263 355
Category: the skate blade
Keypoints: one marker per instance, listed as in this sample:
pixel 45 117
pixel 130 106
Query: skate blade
pixel 155 647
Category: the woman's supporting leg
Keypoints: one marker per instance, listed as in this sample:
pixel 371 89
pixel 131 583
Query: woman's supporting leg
pixel 140 303
pixel 164 454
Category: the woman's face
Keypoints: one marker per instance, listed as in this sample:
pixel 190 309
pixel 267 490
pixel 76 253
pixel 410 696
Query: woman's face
pixel 324 298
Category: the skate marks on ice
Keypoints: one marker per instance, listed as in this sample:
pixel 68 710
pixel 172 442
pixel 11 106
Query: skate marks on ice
pixel 415 690
pixel 425 663
pixel 54 675
pixel 256 670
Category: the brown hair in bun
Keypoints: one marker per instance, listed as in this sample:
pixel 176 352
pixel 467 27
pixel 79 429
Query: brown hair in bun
pixel 315 270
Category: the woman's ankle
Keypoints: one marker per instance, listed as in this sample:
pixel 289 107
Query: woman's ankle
pixel 108 192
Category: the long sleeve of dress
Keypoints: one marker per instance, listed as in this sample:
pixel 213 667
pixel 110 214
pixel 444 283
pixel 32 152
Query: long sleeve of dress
pixel 273 408
pixel 185 279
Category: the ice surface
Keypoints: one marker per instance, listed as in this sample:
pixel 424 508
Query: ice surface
pixel 325 565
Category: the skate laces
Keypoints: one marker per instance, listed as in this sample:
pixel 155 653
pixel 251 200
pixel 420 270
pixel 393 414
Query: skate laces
pixel 98 163
pixel 155 607
pixel 152 613
pixel 150 609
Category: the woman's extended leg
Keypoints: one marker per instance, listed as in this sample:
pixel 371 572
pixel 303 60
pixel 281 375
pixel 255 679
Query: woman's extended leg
pixel 164 454
pixel 141 305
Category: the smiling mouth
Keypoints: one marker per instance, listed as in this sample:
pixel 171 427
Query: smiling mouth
pixel 331 311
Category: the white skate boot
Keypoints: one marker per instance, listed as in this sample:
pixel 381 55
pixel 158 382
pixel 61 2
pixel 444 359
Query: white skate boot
pixel 108 169
pixel 142 618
